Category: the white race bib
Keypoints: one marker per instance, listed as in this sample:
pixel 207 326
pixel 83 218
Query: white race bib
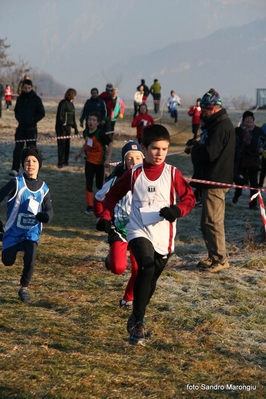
pixel 89 142
pixel 150 214
pixel 33 206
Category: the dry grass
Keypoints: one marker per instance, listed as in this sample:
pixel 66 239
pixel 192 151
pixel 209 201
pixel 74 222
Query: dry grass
pixel 71 341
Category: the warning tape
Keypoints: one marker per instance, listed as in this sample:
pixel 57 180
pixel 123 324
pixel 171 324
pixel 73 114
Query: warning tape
pixel 257 194
pixel 215 183
pixel 51 138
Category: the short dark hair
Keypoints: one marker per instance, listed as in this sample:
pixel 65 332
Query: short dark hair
pixel 27 82
pixel 94 89
pixel 97 115
pixel 154 133
pixel 70 94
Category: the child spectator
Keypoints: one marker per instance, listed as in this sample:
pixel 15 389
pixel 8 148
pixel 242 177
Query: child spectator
pixel 29 205
pixel 195 112
pixel 173 102
pixel 160 195
pixel 141 120
pixel 116 260
pixel 8 97
pixel 96 160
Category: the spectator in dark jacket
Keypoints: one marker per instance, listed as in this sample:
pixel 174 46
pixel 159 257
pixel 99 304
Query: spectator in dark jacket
pixel 65 120
pixel 248 150
pixel 1 95
pixel 214 156
pixel 93 104
pixel 29 111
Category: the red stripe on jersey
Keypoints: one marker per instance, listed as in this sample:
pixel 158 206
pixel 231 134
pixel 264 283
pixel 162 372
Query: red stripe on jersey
pixel 172 198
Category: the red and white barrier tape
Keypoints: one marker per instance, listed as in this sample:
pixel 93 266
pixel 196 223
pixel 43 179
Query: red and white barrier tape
pixel 257 194
pixel 76 136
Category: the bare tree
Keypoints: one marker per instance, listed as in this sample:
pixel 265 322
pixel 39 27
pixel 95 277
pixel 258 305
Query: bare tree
pixel 11 72
pixel 5 61
pixel 117 82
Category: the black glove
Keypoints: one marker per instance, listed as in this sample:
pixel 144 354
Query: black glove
pixel 141 123
pixel 170 214
pixel 1 230
pixel 190 143
pixel 42 217
pixel 104 225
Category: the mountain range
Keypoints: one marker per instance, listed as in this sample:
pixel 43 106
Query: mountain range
pixel 231 60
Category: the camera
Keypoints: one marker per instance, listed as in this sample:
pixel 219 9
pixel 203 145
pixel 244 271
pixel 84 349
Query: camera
pixel 189 143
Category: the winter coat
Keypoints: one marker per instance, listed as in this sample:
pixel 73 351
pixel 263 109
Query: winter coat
pixel 29 110
pixel 65 116
pixel 213 157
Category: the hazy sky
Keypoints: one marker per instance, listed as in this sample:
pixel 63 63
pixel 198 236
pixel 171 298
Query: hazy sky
pixel 74 39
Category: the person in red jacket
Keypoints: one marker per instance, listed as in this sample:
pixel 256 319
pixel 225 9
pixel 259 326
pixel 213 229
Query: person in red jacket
pixel 106 96
pixel 8 97
pixel 195 112
pixel 141 120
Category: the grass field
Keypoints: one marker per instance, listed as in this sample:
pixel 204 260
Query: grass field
pixel 208 331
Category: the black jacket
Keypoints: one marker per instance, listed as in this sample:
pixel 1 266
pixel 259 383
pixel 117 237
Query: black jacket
pixel 146 89
pixel 214 158
pixel 29 110
pixel 65 116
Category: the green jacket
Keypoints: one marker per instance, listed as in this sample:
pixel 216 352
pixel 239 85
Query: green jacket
pixel 155 88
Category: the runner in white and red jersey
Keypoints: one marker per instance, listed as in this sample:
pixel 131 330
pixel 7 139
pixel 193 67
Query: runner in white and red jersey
pixel 160 195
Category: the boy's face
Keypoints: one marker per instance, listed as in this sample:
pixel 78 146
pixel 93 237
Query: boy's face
pixel 92 122
pixel 133 158
pixel 248 121
pixel 156 152
pixel 31 167
pixel 26 88
pixel 94 94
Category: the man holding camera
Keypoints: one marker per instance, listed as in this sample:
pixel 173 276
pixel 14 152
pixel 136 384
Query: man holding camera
pixel 215 155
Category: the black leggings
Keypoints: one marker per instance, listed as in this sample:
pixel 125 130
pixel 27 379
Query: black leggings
pixel 30 251
pixel 150 267
pixel 92 170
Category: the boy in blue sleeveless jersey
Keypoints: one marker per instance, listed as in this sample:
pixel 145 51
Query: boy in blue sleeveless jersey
pixel 28 206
